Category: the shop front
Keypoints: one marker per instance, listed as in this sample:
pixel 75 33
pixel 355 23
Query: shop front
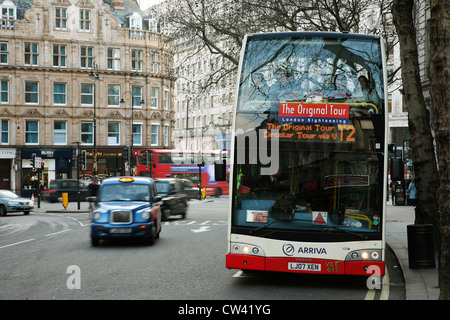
pixel 7 168
pixel 57 164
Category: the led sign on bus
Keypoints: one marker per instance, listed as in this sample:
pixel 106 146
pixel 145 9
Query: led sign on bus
pixel 313 113
pixel 341 133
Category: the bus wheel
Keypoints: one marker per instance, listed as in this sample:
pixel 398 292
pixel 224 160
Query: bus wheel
pixel 218 192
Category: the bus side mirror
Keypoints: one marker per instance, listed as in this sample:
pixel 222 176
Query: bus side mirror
pixel 220 170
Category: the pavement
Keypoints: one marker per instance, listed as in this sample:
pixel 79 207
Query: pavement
pixel 420 284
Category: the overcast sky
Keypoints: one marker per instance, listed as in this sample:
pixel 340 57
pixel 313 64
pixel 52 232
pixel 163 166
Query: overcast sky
pixel 145 4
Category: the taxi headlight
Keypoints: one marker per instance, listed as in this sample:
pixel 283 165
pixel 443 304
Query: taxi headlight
pixel 145 214
pixel 97 215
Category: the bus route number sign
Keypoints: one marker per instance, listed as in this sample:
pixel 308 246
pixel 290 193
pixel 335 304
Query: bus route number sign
pixel 257 216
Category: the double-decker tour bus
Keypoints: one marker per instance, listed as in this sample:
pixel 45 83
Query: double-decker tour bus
pixel 309 156
pixel 165 163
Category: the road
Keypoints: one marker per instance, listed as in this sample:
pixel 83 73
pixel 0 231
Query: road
pixel 49 256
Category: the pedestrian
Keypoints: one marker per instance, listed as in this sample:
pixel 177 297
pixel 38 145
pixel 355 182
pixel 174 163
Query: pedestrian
pixel 412 191
pixel 93 188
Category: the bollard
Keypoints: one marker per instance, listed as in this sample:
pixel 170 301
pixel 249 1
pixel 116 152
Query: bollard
pixel 421 246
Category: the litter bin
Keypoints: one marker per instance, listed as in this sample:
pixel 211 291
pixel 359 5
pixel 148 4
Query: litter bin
pixel 421 246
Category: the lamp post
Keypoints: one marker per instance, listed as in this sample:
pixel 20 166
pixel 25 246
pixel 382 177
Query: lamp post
pixel 95 76
pixel 142 102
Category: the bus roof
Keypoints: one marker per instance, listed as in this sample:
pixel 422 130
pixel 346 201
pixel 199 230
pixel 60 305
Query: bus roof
pixel 312 34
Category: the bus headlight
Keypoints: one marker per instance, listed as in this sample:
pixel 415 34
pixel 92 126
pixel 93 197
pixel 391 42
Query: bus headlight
pixel 359 255
pixel 241 248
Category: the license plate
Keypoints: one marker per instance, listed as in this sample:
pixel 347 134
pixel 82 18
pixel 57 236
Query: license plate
pixel 121 230
pixel 304 266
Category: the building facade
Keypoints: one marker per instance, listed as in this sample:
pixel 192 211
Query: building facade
pixel 79 73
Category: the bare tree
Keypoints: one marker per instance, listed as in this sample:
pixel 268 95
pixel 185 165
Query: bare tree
pixel 440 82
pixel 220 27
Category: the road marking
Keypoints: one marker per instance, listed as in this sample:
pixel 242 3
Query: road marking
pixel 13 244
pixel 52 234
pixel 201 229
pixel 384 289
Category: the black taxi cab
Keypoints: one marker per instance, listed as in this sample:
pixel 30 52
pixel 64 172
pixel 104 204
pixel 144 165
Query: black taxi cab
pixel 126 207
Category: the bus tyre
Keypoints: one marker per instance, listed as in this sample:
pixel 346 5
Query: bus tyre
pixel 218 192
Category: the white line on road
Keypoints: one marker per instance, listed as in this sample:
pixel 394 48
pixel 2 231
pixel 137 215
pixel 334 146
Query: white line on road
pixel 52 234
pixel 13 244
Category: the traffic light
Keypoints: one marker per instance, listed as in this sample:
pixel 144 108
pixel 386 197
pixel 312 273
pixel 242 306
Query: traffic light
pixel 33 161
pixel 144 158
pixel 42 165
pixel 83 160
pixel 126 154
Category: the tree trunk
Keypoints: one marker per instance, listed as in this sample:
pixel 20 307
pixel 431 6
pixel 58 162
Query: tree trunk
pixel 440 84
pixel 426 174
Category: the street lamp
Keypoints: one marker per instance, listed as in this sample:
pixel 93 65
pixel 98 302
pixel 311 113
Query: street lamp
pixel 122 100
pixel 95 76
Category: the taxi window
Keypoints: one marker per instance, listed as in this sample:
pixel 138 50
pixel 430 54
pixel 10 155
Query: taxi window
pixel 125 192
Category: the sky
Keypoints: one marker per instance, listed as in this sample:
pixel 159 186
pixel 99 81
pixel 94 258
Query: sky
pixel 145 4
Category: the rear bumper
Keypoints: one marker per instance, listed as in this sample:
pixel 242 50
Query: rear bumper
pixel 310 266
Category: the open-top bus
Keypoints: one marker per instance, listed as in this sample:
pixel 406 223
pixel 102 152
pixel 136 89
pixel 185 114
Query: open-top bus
pixel 309 155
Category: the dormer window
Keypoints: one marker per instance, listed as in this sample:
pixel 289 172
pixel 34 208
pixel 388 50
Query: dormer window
pixel 8 14
pixel 135 21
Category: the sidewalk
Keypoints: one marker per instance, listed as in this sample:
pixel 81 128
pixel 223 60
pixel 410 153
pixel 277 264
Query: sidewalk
pixel 421 284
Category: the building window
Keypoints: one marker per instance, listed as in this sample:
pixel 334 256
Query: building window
pixel 166 99
pixel 136 60
pixel 87 94
pixel 31 132
pixel 59 93
pixel 154 102
pixel 60 132
pixel 8 11
pixel 155 134
pixel 166 135
pixel 136 21
pixel 113 133
pixel 113 59
pixel 31 54
pixel 137 134
pixel 3 52
pixel 85 20
pixel 137 96
pixel 87 57
pixel 5 131
pixel 59 55
pixel 87 133
pixel 31 92
pixel 61 18
pixel 113 95
pixel 4 91
pixel 154 67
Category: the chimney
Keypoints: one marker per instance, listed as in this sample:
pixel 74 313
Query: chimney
pixel 117 4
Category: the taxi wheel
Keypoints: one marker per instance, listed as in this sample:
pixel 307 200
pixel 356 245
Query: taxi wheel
pixel 2 210
pixel 150 240
pixel 95 241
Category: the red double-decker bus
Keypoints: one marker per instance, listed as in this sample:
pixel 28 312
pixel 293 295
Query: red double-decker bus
pixel 163 163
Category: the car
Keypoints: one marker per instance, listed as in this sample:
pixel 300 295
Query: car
pixel 60 186
pixel 11 202
pixel 191 189
pixel 126 207
pixel 174 199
